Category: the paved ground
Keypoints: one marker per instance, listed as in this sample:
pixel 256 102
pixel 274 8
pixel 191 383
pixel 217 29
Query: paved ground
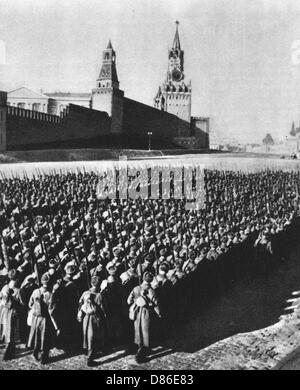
pixel 240 331
pixel 292 362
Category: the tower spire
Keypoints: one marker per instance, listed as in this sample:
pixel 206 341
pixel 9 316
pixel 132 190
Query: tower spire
pixel 108 72
pixel 174 95
pixel 109 46
pixel 176 42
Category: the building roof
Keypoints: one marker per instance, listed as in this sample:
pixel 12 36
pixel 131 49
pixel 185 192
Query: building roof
pixel 108 72
pixel 69 95
pixel 25 93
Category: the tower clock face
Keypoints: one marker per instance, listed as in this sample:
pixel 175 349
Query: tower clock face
pixel 177 75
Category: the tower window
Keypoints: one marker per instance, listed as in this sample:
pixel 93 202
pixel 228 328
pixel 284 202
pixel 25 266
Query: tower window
pixel 106 56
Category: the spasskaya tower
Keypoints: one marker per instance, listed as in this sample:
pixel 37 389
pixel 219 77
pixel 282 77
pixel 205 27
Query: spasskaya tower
pixel 174 95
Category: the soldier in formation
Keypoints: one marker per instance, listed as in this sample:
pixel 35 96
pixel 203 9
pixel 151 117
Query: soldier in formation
pixel 73 266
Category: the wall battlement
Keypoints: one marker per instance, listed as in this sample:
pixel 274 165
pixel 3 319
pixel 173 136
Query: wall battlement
pixel 32 115
pixel 200 118
pixel 105 118
pixel 76 125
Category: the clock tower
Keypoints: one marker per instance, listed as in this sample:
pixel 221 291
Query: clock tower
pixel 107 96
pixel 174 95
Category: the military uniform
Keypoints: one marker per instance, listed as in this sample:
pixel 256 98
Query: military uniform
pixel 68 304
pixel 113 306
pixel 43 325
pixel 145 306
pixel 10 309
pixel 93 320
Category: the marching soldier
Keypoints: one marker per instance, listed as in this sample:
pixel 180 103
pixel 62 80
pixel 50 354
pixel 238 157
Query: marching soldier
pixel 43 324
pixel 10 310
pixel 113 306
pixel 93 320
pixel 144 306
pixel 57 216
pixel 68 310
pixel 129 280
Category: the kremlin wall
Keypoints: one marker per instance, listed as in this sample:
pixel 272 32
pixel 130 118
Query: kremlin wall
pixel 105 118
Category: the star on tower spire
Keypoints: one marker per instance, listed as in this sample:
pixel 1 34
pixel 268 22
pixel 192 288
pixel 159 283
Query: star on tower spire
pixel 176 42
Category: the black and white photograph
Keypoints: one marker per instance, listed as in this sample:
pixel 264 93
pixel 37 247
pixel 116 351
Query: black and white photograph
pixel 149 187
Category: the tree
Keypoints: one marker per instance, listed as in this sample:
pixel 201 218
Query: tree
pixel 268 141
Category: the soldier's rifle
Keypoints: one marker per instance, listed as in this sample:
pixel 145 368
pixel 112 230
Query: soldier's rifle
pixel 20 241
pixel 155 246
pixel 112 219
pixel 125 252
pixel 143 241
pixel 86 258
pixel 33 257
pixel 71 249
pixel 3 249
pixel 15 229
pixel 35 265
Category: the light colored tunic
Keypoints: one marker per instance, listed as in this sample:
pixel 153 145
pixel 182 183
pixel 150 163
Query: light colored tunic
pixel 42 328
pixel 144 314
pixel 93 323
pixel 10 306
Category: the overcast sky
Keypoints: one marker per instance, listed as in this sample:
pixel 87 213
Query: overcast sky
pixel 238 54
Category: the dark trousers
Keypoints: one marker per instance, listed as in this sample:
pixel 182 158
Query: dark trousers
pixel 44 354
pixel 9 351
pixel 141 354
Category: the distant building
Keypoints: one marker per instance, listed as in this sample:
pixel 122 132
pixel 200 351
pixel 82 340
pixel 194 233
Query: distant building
pixel 58 101
pixel 169 122
pixel 26 98
pixel 50 102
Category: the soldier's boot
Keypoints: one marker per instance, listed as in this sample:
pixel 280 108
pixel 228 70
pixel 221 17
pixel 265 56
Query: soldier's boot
pixel 140 356
pixel 45 357
pixel 9 352
pixel 90 358
pixel 36 355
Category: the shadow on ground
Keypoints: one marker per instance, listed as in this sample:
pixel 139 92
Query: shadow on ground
pixel 250 305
